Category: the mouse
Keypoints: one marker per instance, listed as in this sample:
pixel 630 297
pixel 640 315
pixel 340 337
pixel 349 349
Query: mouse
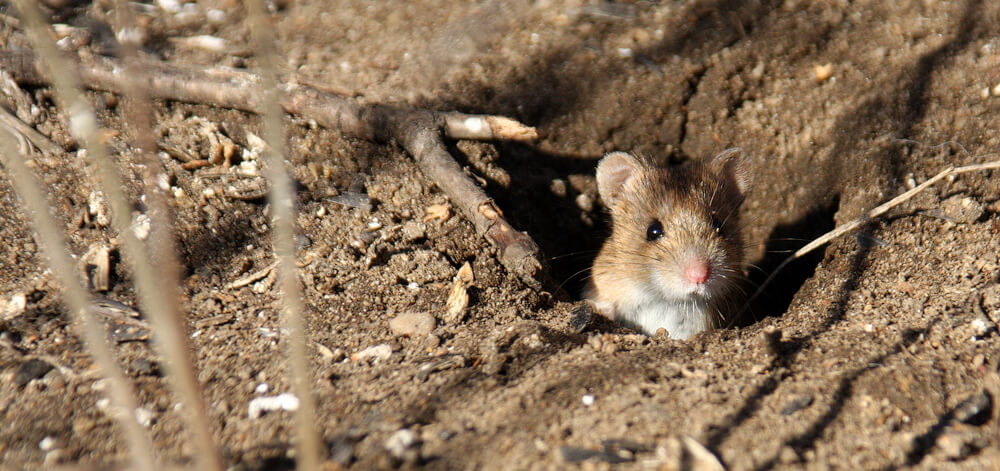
pixel 675 256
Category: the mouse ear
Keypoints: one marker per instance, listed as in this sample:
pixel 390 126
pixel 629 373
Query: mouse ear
pixel 613 172
pixel 733 165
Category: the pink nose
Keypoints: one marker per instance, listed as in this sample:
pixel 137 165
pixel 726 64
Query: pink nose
pixel 697 271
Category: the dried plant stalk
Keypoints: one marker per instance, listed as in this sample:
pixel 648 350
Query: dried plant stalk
pixel 155 300
pixel 283 239
pixel 90 330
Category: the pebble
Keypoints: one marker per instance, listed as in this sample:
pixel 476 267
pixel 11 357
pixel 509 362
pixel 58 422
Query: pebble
pixel 47 443
pixel 580 318
pixel 412 324
pixel 144 416
pixel 558 187
pixel 143 367
pixel 285 401
pixel 14 307
pixel 962 209
pixel 377 353
pixel 413 230
pixel 334 356
pixel 402 445
pixel 29 370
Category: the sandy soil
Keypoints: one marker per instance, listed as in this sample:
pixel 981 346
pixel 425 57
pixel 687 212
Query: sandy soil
pixel 878 352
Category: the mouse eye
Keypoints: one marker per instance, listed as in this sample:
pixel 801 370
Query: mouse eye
pixel 654 231
pixel 716 223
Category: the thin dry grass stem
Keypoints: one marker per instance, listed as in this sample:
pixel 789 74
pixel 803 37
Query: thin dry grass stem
pixel 871 214
pixel 281 199
pixel 155 300
pixel 48 234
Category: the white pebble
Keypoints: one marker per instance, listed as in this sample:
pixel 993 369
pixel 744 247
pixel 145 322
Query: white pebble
pixel 378 352
pixel 285 401
pixel 400 441
pixel 144 416
pixel 172 6
pixel 140 226
pixel 215 15
pixel 47 444
pixel 262 388
pixel 624 52
pixel 996 90
pixel 980 327
pixel 588 400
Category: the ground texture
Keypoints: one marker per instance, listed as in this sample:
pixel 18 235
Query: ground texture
pixel 878 352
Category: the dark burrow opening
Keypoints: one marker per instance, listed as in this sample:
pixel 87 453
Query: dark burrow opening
pixel 774 299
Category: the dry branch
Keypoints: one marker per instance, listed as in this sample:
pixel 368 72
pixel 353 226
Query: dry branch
pixel 420 132
pixel 281 197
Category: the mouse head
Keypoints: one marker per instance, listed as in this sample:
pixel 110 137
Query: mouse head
pixel 678 222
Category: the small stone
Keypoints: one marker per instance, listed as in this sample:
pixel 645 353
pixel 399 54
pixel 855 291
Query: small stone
pixel 588 400
pixel 431 342
pixel 29 370
pixel 580 318
pixel 13 308
pixel 144 416
pixel 823 72
pixel 259 405
pixel 143 367
pixel 83 425
pixel 788 456
pixel 376 353
pixel 402 445
pixel 413 230
pixel 47 444
pixel 412 324
pixel 797 404
pixel 333 356
pixel 558 187
pixel 962 209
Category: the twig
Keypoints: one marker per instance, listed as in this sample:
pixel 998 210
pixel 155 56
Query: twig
pixel 872 214
pixel 419 131
pixel 281 197
pixel 36 138
pixel 154 299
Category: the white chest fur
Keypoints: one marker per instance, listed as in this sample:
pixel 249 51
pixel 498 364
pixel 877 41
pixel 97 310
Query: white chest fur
pixel 682 317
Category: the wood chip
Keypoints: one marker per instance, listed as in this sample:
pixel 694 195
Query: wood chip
pixel 255 276
pixel 458 297
pixel 438 211
pixel 214 321
pixel 97 267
